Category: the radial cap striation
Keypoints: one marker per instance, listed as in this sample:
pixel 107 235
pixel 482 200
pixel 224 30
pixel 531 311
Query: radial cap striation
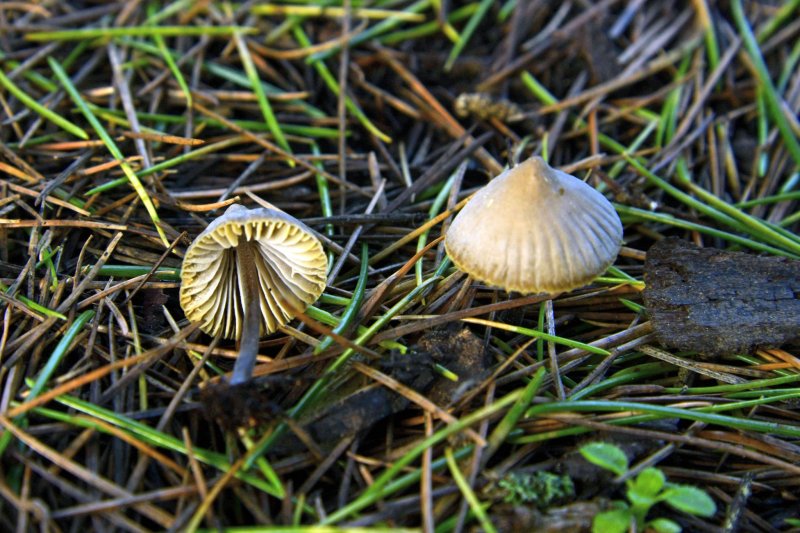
pixel 535 229
pixel 288 259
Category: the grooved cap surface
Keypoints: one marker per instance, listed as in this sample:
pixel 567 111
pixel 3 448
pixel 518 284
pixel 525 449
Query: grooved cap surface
pixel 535 229
pixel 289 261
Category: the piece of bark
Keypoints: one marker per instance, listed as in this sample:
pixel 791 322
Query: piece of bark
pixel 360 403
pixel 717 302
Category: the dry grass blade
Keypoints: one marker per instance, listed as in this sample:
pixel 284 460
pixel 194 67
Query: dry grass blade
pixel 409 395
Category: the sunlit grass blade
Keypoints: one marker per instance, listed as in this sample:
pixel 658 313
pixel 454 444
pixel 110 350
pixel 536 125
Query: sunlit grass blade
pixel 642 214
pixel 169 163
pixel 313 393
pixel 169 60
pixel 381 481
pixel 784 12
pixel 429 28
pixel 371 32
pixel 509 421
pixel 354 306
pixel 668 120
pixel 333 86
pixel 755 227
pixel 147 434
pixel 712 46
pixel 323 190
pixel 703 414
pixel 732 218
pixel 334 11
pixel 537 334
pixel 258 89
pixel 59 352
pixel 773 101
pixel 763 200
pixel 132 271
pixel 110 145
pixel 136 31
pixel 436 206
pixel 31 75
pixel 41 110
pixel 33 306
pixel 469 495
pixel 467 32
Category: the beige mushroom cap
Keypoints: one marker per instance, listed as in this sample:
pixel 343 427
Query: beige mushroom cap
pixel 289 261
pixel 535 229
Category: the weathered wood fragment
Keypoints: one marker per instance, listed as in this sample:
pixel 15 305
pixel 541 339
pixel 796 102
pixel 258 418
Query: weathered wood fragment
pixel 717 302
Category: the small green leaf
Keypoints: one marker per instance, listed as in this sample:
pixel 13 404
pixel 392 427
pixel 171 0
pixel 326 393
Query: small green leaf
pixel 640 501
pixel 606 456
pixel 649 482
pixel 690 500
pixel 664 525
pixel 616 521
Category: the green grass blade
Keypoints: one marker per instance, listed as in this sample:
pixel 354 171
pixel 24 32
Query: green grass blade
pixel 793 195
pixel 389 474
pixel 468 493
pixel 333 86
pixel 509 421
pixel 150 435
pixel 466 34
pixel 539 335
pixel 429 28
pixel 784 13
pixel 370 33
pixel 169 163
pixel 754 226
pixel 131 271
pixel 170 61
pixel 33 306
pixel 58 353
pixel 700 414
pixel 258 88
pixel 137 31
pixel 41 110
pixel 765 82
pixel 436 206
pixel 664 218
pixel 352 309
pixel 110 145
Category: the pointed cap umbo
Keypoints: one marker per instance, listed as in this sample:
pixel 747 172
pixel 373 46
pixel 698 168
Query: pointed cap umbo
pixel 535 229
pixel 287 259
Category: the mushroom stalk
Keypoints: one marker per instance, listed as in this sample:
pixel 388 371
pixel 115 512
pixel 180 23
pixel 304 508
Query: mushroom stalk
pixel 248 345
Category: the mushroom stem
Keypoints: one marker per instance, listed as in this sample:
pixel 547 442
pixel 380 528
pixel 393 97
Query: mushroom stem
pixel 248 344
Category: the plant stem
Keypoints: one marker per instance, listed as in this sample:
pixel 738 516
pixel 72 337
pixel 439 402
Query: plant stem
pixel 248 286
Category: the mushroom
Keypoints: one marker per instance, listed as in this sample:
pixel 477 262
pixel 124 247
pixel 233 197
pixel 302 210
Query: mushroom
pixel 248 273
pixel 535 229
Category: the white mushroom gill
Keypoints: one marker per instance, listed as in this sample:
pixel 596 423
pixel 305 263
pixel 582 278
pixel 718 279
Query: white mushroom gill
pixel 288 262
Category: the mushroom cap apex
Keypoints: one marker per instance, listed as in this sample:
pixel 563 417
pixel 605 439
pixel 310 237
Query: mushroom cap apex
pixel 535 229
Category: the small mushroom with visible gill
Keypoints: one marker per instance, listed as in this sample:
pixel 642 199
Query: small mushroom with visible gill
pixel 248 273
pixel 535 229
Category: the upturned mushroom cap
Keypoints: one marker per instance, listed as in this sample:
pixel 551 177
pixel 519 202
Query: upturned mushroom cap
pixel 289 261
pixel 535 229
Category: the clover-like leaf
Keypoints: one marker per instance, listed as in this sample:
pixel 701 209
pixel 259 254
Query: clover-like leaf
pixel 690 500
pixel 649 482
pixel 614 521
pixel 664 525
pixel 606 456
